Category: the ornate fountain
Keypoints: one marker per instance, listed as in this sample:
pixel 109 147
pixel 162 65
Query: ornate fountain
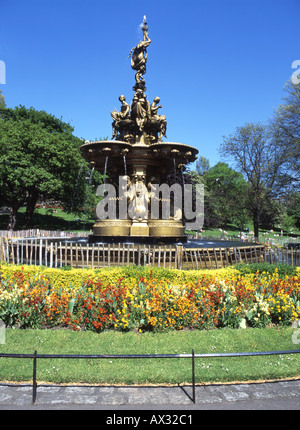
pixel 136 159
pixel 139 157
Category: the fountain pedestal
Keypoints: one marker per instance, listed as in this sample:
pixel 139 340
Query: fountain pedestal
pixel 112 227
pixel 158 163
pixel 139 228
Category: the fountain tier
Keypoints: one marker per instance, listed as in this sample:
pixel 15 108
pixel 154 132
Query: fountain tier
pixel 143 165
pixel 162 155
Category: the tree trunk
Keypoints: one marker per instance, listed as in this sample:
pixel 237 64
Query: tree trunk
pixel 256 226
pixel 31 202
pixel 12 220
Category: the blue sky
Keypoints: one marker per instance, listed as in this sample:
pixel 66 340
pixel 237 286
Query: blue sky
pixel 215 64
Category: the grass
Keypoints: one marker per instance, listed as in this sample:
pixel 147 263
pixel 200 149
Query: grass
pixel 150 371
pixel 234 231
pixel 46 219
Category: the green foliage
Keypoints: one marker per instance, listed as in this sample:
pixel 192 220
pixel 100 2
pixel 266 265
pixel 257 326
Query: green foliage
pixel 148 272
pixel 2 99
pixel 286 128
pixel 292 206
pixel 283 269
pixel 47 121
pixel 288 223
pixel 39 157
pixel 271 213
pixel 225 191
pixel 259 155
pixel 202 165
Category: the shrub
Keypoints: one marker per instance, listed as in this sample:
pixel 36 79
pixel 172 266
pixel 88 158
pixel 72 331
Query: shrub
pixel 62 278
pixel 282 269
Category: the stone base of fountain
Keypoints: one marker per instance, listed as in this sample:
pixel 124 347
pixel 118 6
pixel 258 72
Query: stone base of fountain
pixel 112 227
pixel 166 228
pixel 148 231
pixel 145 240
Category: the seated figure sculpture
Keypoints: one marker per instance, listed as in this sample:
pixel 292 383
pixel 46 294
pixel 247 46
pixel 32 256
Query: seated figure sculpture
pixel 160 118
pixel 119 116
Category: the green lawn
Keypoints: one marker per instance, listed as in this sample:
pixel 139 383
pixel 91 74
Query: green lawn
pixel 235 231
pixel 154 371
pixel 47 219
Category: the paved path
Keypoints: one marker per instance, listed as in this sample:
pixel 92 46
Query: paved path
pixel 271 395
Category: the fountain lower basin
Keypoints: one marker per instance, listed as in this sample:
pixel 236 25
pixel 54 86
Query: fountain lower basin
pixel 142 164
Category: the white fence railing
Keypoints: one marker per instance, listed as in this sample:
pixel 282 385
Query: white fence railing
pixel 58 253
pixel 34 247
pixel 33 233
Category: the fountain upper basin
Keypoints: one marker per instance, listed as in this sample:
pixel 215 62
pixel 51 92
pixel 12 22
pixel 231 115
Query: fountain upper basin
pixel 156 154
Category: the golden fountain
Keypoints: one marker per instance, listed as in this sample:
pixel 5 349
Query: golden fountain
pixel 134 160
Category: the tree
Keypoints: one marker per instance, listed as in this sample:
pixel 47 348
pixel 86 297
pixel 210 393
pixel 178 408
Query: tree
pixel 227 188
pixel 261 159
pixel 224 191
pixel 291 203
pixel 39 158
pixel 271 213
pixel 202 165
pixel 286 129
pixel 2 99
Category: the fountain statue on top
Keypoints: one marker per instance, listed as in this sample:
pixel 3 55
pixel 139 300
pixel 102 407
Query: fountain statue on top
pixel 139 123
pixel 139 58
pixel 135 160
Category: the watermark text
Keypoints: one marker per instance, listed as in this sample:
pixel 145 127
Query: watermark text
pixel 2 72
pixel 136 201
pixel 296 74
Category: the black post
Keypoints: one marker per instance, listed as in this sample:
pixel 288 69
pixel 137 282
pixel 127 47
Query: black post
pixel 193 376
pixel 34 384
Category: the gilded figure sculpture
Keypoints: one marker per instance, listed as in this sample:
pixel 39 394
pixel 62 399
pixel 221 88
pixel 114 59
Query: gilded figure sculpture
pixel 118 116
pixel 139 122
pixel 139 56
pixel 160 118
pixel 140 109
pixel 136 208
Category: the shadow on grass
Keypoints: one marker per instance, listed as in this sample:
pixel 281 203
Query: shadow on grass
pixel 48 222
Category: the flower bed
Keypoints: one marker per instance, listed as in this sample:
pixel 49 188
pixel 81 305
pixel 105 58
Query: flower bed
pixel 73 278
pixel 37 298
